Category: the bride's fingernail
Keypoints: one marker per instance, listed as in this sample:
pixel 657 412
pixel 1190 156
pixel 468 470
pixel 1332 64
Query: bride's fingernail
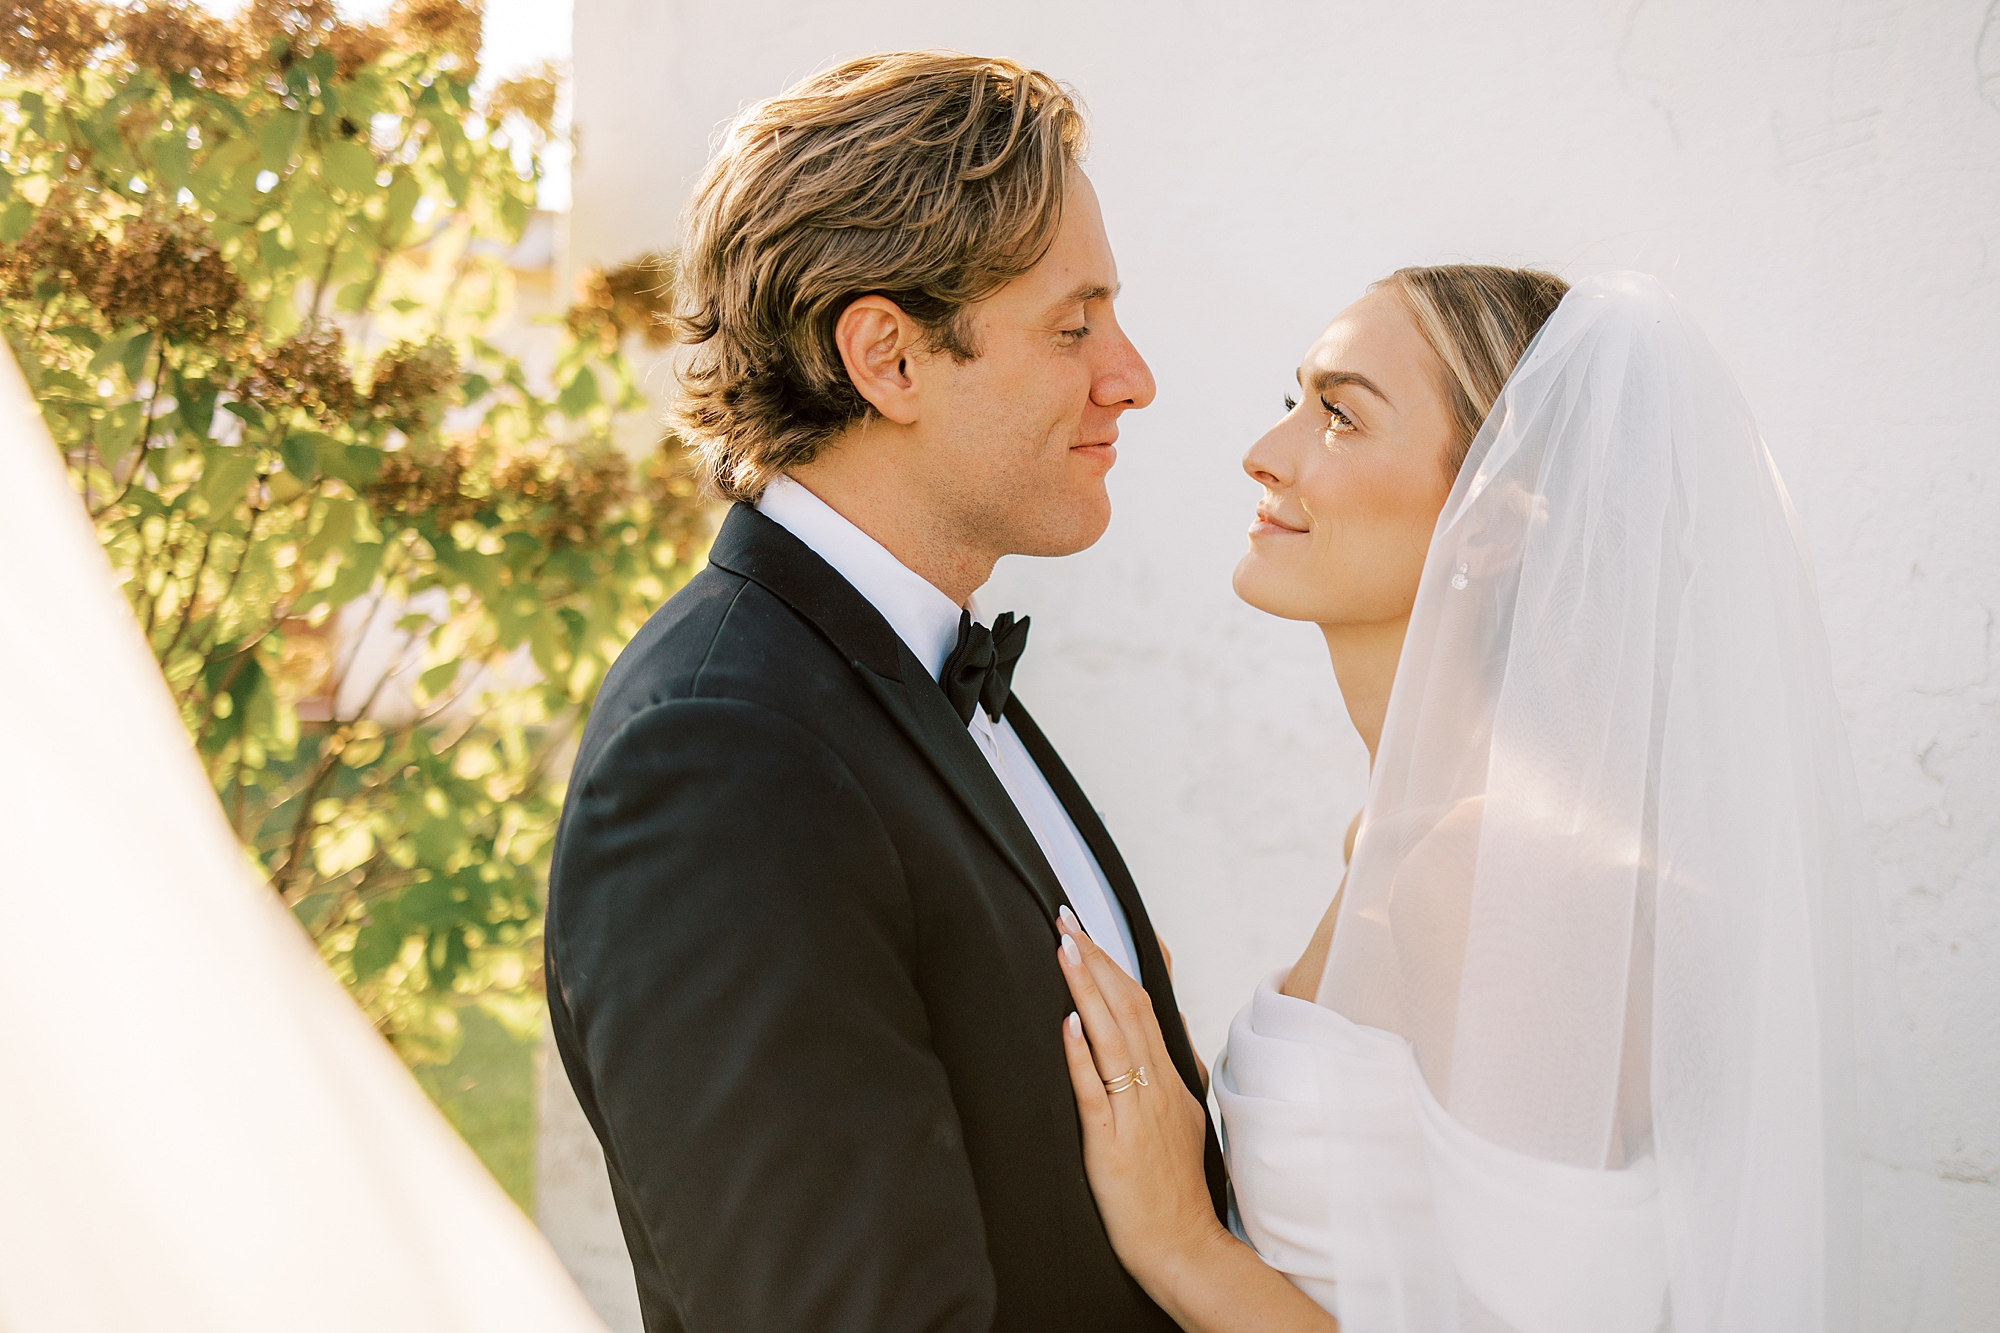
pixel 1068 919
pixel 1075 1024
pixel 1071 952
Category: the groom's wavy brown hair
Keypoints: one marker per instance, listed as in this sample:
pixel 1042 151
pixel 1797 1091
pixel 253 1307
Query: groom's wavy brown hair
pixel 930 178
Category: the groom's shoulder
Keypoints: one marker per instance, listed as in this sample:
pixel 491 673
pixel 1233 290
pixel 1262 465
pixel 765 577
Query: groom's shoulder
pixel 722 636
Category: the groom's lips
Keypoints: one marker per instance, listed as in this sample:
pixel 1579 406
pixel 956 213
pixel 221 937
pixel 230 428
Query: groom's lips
pixel 1101 451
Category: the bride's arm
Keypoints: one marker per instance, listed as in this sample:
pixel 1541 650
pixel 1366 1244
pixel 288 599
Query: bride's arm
pixel 1143 1149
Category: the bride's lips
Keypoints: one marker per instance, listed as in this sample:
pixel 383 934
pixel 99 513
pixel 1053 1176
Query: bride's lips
pixel 1264 525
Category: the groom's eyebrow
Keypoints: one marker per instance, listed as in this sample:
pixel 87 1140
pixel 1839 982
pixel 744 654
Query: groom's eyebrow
pixel 1084 295
pixel 1322 380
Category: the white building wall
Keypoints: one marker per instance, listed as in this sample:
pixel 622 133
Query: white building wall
pixel 1818 180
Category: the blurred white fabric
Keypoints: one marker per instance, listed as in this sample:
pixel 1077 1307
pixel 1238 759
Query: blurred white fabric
pixel 198 1129
pixel 1613 1044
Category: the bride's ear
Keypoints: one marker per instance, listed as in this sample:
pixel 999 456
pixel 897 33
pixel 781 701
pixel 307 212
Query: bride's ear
pixel 878 344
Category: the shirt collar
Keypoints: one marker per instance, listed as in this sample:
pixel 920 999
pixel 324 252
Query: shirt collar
pixel 922 616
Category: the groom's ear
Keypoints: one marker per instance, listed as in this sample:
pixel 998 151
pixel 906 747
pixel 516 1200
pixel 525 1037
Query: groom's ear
pixel 878 345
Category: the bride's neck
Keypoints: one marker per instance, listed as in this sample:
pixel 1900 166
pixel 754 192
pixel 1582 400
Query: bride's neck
pixel 1364 662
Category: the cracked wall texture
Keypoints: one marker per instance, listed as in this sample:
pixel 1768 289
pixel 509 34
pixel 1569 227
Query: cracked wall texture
pixel 1818 180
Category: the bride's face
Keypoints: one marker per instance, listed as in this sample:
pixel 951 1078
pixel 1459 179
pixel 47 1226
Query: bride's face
pixel 1353 476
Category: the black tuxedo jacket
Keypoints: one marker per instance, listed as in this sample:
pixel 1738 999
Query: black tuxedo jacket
pixel 801 966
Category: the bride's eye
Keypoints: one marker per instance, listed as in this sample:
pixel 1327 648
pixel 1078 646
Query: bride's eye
pixel 1338 422
pixel 1290 402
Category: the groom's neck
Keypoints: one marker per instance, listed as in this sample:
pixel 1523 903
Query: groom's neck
pixel 900 508
pixel 1364 662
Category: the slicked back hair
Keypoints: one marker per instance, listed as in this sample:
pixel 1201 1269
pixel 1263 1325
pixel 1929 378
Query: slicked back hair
pixel 929 178
pixel 1479 319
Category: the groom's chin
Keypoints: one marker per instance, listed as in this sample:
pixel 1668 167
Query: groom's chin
pixel 1070 527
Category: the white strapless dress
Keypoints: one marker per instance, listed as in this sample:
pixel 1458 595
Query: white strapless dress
pixel 1351 1180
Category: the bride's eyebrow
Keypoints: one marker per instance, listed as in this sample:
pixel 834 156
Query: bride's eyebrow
pixel 1324 380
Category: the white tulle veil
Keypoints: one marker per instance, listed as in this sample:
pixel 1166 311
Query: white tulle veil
pixel 199 1131
pixel 1610 881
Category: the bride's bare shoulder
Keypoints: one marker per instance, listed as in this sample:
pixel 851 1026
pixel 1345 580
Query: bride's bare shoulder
pixel 1446 845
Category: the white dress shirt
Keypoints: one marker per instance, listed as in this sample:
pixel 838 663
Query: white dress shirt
pixel 927 621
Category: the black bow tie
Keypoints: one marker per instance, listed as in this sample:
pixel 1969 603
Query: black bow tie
pixel 980 670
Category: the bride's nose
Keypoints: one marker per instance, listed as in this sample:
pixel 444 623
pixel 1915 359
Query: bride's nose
pixel 1266 463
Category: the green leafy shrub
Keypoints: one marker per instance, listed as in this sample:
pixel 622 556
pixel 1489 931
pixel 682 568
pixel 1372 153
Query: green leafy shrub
pixel 253 270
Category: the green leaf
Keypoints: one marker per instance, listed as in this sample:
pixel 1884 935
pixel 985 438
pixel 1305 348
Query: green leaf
pixel 217 102
pixel 118 430
pixel 274 254
pixel 134 357
pixel 336 528
pixel 399 204
pixel 353 298
pixel 439 678
pixel 514 215
pixel 358 565
pixel 252 415
pixel 15 220
pixel 278 140
pixel 109 354
pixel 355 464
pixel 300 451
pixel 378 942
pixel 579 395
pixel 195 399
pixel 225 474
pixel 171 159
pixel 348 166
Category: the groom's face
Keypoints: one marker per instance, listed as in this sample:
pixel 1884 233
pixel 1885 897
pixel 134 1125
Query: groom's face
pixel 1019 439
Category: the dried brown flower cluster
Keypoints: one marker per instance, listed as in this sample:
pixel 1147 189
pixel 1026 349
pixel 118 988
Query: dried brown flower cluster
pixel 635 297
pixel 409 384
pixel 50 36
pixel 572 492
pixel 306 25
pixel 532 97
pixel 307 371
pixel 425 482
pixel 355 45
pixel 449 25
pixel 170 277
pixel 178 37
pixel 672 483
pixel 60 246
pixel 303 23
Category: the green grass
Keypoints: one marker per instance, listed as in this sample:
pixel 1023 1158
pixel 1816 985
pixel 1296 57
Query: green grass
pixel 487 1091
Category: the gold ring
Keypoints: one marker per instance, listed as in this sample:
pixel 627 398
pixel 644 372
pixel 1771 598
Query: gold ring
pixel 1131 1078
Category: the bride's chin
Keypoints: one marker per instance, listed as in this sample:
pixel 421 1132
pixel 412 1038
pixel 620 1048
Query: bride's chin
pixel 1260 585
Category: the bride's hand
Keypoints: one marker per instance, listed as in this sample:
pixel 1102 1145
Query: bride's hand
pixel 1142 1146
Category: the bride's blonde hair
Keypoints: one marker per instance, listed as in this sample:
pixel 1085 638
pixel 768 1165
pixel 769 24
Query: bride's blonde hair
pixel 1479 319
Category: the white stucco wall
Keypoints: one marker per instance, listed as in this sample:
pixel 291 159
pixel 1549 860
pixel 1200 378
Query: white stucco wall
pixel 1819 181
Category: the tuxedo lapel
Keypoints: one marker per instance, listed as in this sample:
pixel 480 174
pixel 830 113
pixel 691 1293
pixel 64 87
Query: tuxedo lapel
pixel 922 711
pixel 1152 963
pixel 763 551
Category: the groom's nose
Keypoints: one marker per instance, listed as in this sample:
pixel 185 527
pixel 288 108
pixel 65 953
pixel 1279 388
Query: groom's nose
pixel 1124 380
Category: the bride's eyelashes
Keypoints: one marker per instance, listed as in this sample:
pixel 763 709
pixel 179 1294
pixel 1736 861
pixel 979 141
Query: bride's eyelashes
pixel 1338 422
